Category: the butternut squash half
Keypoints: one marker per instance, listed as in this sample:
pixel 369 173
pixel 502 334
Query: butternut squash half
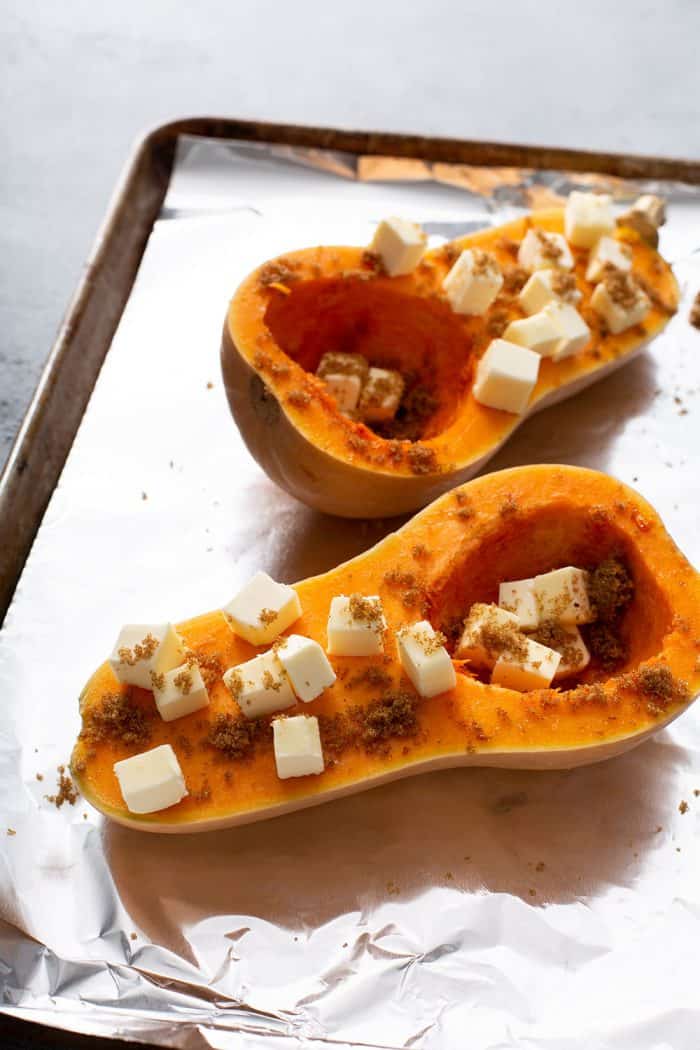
pixel 374 727
pixel 293 309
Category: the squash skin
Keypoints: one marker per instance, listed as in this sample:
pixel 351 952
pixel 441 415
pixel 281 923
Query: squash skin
pixel 475 724
pixel 341 467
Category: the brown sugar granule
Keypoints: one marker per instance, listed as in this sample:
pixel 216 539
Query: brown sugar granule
pixel 540 865
pixel 683 807
pixel 497 321
pixel 484 263
pixel 694 316
pixel 655 298
pixel 40 776
pixel 234 684
pixel 483 628
pixel 564 284
pixel 418 404
pixel 184 744
pixel 554 636
pixel 549 247
pixel 270 682
pixel 299 398
pixel 657 684
pixel 158 681
pixel 133 936
pixel 183 682
pixel 211 667
pixel 422 460
pixel 235 737
pixel 279 272
pixel 420 552
pixel 365 611
pixel 373 676
pixel 430 643
pixel 210 385
pixel 610 589
pixel 449 253
pixel 267 616
pixel 514 278
pixel 66 790
pixel 116 717
pixel 392 715
pixel 337 733
pixel 606 645
pixel 508 245
pixel 143 650
pixel 622 288
pixel 509 507
pixel 372 262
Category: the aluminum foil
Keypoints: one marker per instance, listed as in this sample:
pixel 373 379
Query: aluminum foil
pixel 494 909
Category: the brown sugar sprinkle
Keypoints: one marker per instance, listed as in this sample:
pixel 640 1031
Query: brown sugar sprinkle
pixel 484 629
pixel 373 676
pixel 371 261
pixel 656 684
pixel 143 650
pixel 116 717
pixel 235 737
pixel 267 616
pixel 610 589
pixel 280 272
pixel 420 552
pixel 514 278
pixel 299 398
pixel 184 744
pixel 270 682
pixel 210 666
pixel 66 790
pixel 484 263
pixel 158 681
pixel 606 645
pixel 683 807
pixel 430 643
pixel 366 611
pixel 234 684
pixel 337 733
pixel 465 508
pixel 622 288
pixel 497 321
pixel 508 245
pixel 564 284
pixel 550 248
pixel 393 715
pixel 183 682
pixel 422 460
pixel 509 507
pixel 40 776
pixel 554 636
pixel 418 404
pixel 694 317
pixel 655 297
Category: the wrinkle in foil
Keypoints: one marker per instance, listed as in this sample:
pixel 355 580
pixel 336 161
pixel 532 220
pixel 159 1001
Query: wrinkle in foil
pixel 494 908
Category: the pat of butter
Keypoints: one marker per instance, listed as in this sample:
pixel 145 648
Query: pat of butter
pixel 297 746
pixel 400 245
pixel 506 376
pixel 518 597
pixel 179 692
pixel 356 625
pixel 534 670
pixel 307 666
pixel 587 218
pixel 620 301
pixel 486 630
pixel 345 389
pixel 381 395
pixel 608 251
pixel 142 650
pixel 425 659
pixel 574 333
pixel 539 333
pixel 562 596
pixel 574 653
pixel 335 363
pixel 260 685
pixel 473 282
pixel 540 250
pixel 262 609
pixel 151 781
pixel 548 286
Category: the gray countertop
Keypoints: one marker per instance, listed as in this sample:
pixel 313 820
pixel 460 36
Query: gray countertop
pixel 80 82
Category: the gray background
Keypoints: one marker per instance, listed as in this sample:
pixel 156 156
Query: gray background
pixel 80 81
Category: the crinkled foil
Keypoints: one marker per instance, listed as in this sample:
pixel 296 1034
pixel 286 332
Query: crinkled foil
pixel 482 908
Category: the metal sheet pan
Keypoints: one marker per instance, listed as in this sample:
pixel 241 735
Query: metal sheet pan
pixel 525 910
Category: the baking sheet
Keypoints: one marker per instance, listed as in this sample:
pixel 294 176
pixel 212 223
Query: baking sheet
pixel 509 909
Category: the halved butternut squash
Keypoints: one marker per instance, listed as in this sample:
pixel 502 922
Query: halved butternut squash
pixel 374 727
pixel 292 310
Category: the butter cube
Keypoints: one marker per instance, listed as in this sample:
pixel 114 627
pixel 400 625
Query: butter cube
pixel 587 218
pixel 562 596
pixel 574 333
pixel 518 597
pixel 608 252
pixel 356 625
pixel 573 651
pixel 620 301
pixel 425 659
pixel 539 333
pixel 151 781
pixel 262 609
pixel 533 670
pixel 381 395
pixel 652 207
pixel 540 250
pixel 488 630
pixel 142 650
pixel 179 692
pixel 345 389
pixel 337 364
pixel 400 245
pixel 297 745
pixel 506 376
pixel 307 666
pixel 260 686
pixel 473 282
pixel 547 286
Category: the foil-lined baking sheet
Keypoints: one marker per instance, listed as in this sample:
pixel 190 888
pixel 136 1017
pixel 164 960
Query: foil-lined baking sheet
pixel 482 908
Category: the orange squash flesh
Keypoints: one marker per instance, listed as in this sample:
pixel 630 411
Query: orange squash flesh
pixel 290 311
pixel 507 525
